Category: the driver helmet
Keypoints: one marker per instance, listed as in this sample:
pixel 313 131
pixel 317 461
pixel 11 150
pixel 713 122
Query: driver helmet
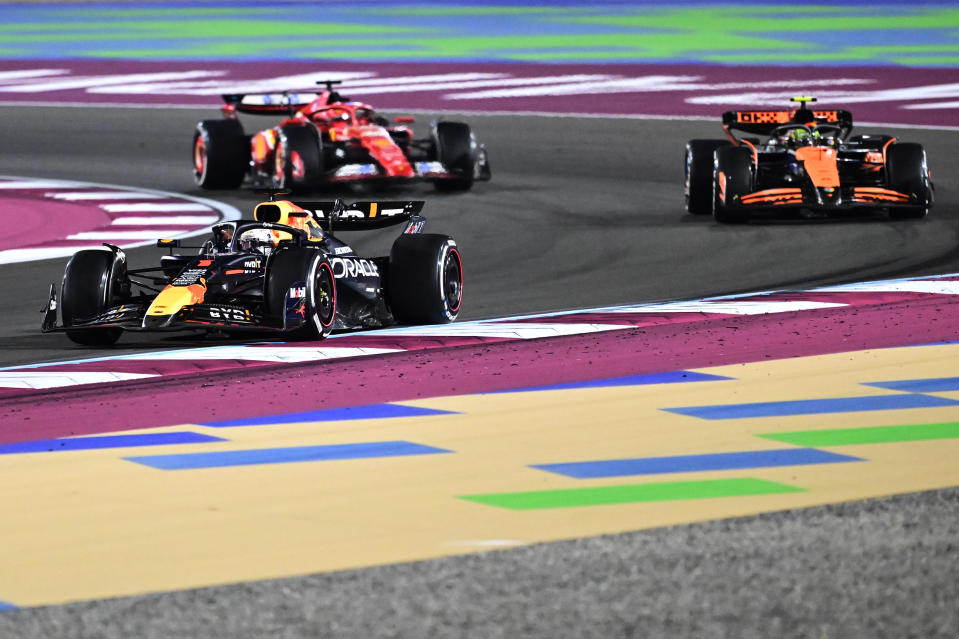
pixel 801 137
pixel 256 240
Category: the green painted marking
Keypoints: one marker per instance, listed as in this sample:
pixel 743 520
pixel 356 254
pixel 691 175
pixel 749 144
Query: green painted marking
pixel 711 32
pixel 867 435
pixel 167 13
pixel 473 11
pixel 633 493
pixel 775 19
pixel 198 29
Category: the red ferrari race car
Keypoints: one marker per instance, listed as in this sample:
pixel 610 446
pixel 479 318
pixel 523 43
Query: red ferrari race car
pixel 326 138
pixel 808 164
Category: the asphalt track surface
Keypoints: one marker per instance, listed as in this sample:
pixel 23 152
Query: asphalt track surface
pixel 581 212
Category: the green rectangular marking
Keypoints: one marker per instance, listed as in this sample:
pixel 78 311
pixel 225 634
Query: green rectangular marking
pixel 632 493
pixel 867 435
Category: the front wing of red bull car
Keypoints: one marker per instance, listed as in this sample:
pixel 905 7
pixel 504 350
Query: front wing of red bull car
pixel 283 273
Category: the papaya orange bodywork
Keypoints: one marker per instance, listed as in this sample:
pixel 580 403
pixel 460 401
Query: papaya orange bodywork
pixel 820 163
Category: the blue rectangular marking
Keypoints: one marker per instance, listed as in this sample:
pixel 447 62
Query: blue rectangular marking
pixel 106 441
pixel 371 411
pixel 6 607
pixel 295 454
pixel 671 377
pixel 931 385
pixel 696 463
pixel 813 406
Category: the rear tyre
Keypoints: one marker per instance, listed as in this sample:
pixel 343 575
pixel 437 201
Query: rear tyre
pixel 91 281
pixel 425 279
pixel 732 178
pixel 220 154
pixel 298 161
pixel 311 270
pixel 457 150
pixel 699 175
pixel 906 172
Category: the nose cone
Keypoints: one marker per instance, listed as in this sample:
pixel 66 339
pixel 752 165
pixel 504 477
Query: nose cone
pixel 171 301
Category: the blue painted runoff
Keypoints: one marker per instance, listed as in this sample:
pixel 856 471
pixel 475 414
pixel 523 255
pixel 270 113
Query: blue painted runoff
pixel 696 463
pixel 671 377
pixel 4 606
pixel 371 411
pixel 931 385
pixel 106 441
pixel 262 456
pixel 813 406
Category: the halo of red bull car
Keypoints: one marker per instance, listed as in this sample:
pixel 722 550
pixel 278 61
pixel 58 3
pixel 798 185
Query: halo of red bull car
pixel 286 273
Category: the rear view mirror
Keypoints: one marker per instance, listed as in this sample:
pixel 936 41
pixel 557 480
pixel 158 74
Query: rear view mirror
pixel 405 119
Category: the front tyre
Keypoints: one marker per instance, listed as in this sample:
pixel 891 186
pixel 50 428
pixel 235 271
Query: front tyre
pixel 425 279
pixel 91 281
pixel 906 172
pixel 220 154
pixel 698 185
pixel 310 274
pixel 732 178
pixel 457 150
pixel 298 160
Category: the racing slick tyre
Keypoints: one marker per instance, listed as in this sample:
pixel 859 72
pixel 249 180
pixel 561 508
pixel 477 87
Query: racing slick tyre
pixel 906 172
pixel 298 161
pixel 456 149
pixel 221 154
pixel 91 281
pixel 733 177
pixel 425 279
pixel 699 175
pixel 309 272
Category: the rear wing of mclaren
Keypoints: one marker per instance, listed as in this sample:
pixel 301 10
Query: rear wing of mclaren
pixel 361 216
pixel 765 122
pixel 268 103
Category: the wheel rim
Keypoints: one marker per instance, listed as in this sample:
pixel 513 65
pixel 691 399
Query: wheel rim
pixel 279 165
pixel 324 302
pixel 453 280
pixel 199 156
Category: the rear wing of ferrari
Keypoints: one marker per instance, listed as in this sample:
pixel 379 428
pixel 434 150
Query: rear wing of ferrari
pixel 765 122
pixel 268 103
pixel 361 216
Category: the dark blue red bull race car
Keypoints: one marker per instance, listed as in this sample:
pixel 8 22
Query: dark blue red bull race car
pixel 283 273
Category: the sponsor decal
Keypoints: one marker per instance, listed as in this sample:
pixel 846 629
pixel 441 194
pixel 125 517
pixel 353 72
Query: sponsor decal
pixel 353 267
pixel 415 226
pixel 229 314
pixel 189 276
pixel 340 250
pixel 430 168
pixel 251 264
pixel 297 292
pixel 356 170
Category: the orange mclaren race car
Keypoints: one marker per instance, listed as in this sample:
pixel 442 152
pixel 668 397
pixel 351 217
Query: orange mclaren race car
pixel 326 138
pixel 282 273
pixel 808 164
